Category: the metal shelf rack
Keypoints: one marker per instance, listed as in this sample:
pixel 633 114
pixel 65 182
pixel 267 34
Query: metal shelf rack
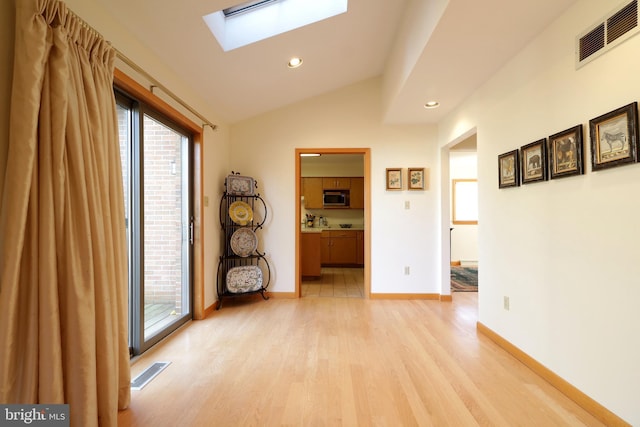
pixel 229 260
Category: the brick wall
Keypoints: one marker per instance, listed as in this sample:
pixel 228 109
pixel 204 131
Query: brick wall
pixel 162 210
pixel 162 214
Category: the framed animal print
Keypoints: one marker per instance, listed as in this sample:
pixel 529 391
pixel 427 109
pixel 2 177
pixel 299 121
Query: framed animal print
pixel 534 161
pixel 614 137
pixel 508 169
pixel 566 153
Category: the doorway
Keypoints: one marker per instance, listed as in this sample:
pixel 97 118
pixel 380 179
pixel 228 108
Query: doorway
pixel 460 205
pixel 365 215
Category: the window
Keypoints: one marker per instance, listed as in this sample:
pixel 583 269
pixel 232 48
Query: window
pixel 464 201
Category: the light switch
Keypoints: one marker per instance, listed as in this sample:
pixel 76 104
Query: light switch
pixel 206 201
pixel 407 204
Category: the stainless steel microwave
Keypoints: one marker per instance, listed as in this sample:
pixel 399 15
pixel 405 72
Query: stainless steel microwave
pixel 333 198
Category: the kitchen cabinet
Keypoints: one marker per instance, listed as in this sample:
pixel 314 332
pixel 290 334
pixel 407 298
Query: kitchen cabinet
pixel 338 247
pixel 357 193
pixel 310 254
pixel 360 247
pixel 313 188
pixel 312 192
pixel 336 183
pixel 325 248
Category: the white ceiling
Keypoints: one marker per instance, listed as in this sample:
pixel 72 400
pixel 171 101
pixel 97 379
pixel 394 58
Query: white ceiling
pixel 472 40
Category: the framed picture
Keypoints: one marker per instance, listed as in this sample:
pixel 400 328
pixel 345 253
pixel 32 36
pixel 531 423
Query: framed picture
pixel 416 179
pixel 394 179
pixel 533 159
pixel 508 170
pixel 566 153
pixel 614 137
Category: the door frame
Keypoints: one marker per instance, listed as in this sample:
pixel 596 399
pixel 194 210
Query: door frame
pixel 366 153
pixel 445 213
pixel 127 84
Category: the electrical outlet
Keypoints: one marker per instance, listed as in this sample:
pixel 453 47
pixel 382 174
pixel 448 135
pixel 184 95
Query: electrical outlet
pixel 506 303
pixel 407 204
pixel 407 270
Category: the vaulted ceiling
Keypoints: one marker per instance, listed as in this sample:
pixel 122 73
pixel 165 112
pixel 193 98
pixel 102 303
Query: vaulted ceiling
pixel 423 49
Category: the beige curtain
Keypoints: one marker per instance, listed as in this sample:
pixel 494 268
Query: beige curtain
pixel 63 295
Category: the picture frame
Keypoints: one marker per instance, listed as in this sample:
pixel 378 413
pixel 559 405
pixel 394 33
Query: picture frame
pixel 614 137
pixel 533 161
pixel 566 153
pixel 416 179
pixel 509 169
pixel 394 179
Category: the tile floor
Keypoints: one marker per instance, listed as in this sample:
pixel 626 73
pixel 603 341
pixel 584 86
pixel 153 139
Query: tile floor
pixel 336 282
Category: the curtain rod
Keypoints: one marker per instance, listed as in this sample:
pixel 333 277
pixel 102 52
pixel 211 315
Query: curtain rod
pixel 137 68
pixel 156 83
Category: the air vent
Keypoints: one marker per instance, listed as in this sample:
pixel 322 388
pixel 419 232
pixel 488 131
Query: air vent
pixel 147 375
pixel 592 42
pixel 610 31
pixel 622 22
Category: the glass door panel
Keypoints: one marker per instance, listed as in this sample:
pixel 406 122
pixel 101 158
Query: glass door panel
pixel 166 227
pixel 124 114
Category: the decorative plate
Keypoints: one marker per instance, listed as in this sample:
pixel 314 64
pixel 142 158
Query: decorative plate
pixel 246 278
pixel 240 213
pixel 240 185
pixel 244 242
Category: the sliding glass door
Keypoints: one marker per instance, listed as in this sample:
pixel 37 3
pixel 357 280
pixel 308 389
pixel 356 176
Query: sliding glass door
pixel 166 225
pixel 156 157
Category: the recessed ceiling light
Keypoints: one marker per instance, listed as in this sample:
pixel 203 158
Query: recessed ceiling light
pixel 432 104
pixel 309 154
pixel 294 62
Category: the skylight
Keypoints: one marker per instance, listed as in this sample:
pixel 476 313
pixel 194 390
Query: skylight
pixel 245 7
pixel 253 21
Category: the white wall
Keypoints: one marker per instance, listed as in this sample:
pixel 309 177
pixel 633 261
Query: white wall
pixel 418 23
pixel 563 251
pixel 464 237
pixel 332 165
pixel 264 147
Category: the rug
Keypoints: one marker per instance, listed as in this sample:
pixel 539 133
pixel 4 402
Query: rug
pixel 464 279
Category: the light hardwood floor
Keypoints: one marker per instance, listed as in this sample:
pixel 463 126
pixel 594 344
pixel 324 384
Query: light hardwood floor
pixel 343 362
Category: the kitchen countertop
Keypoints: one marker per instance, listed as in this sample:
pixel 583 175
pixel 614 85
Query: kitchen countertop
pixel 330 228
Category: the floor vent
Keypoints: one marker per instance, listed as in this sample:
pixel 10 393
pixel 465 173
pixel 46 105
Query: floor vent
pixel 607 33
pixel 147 375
